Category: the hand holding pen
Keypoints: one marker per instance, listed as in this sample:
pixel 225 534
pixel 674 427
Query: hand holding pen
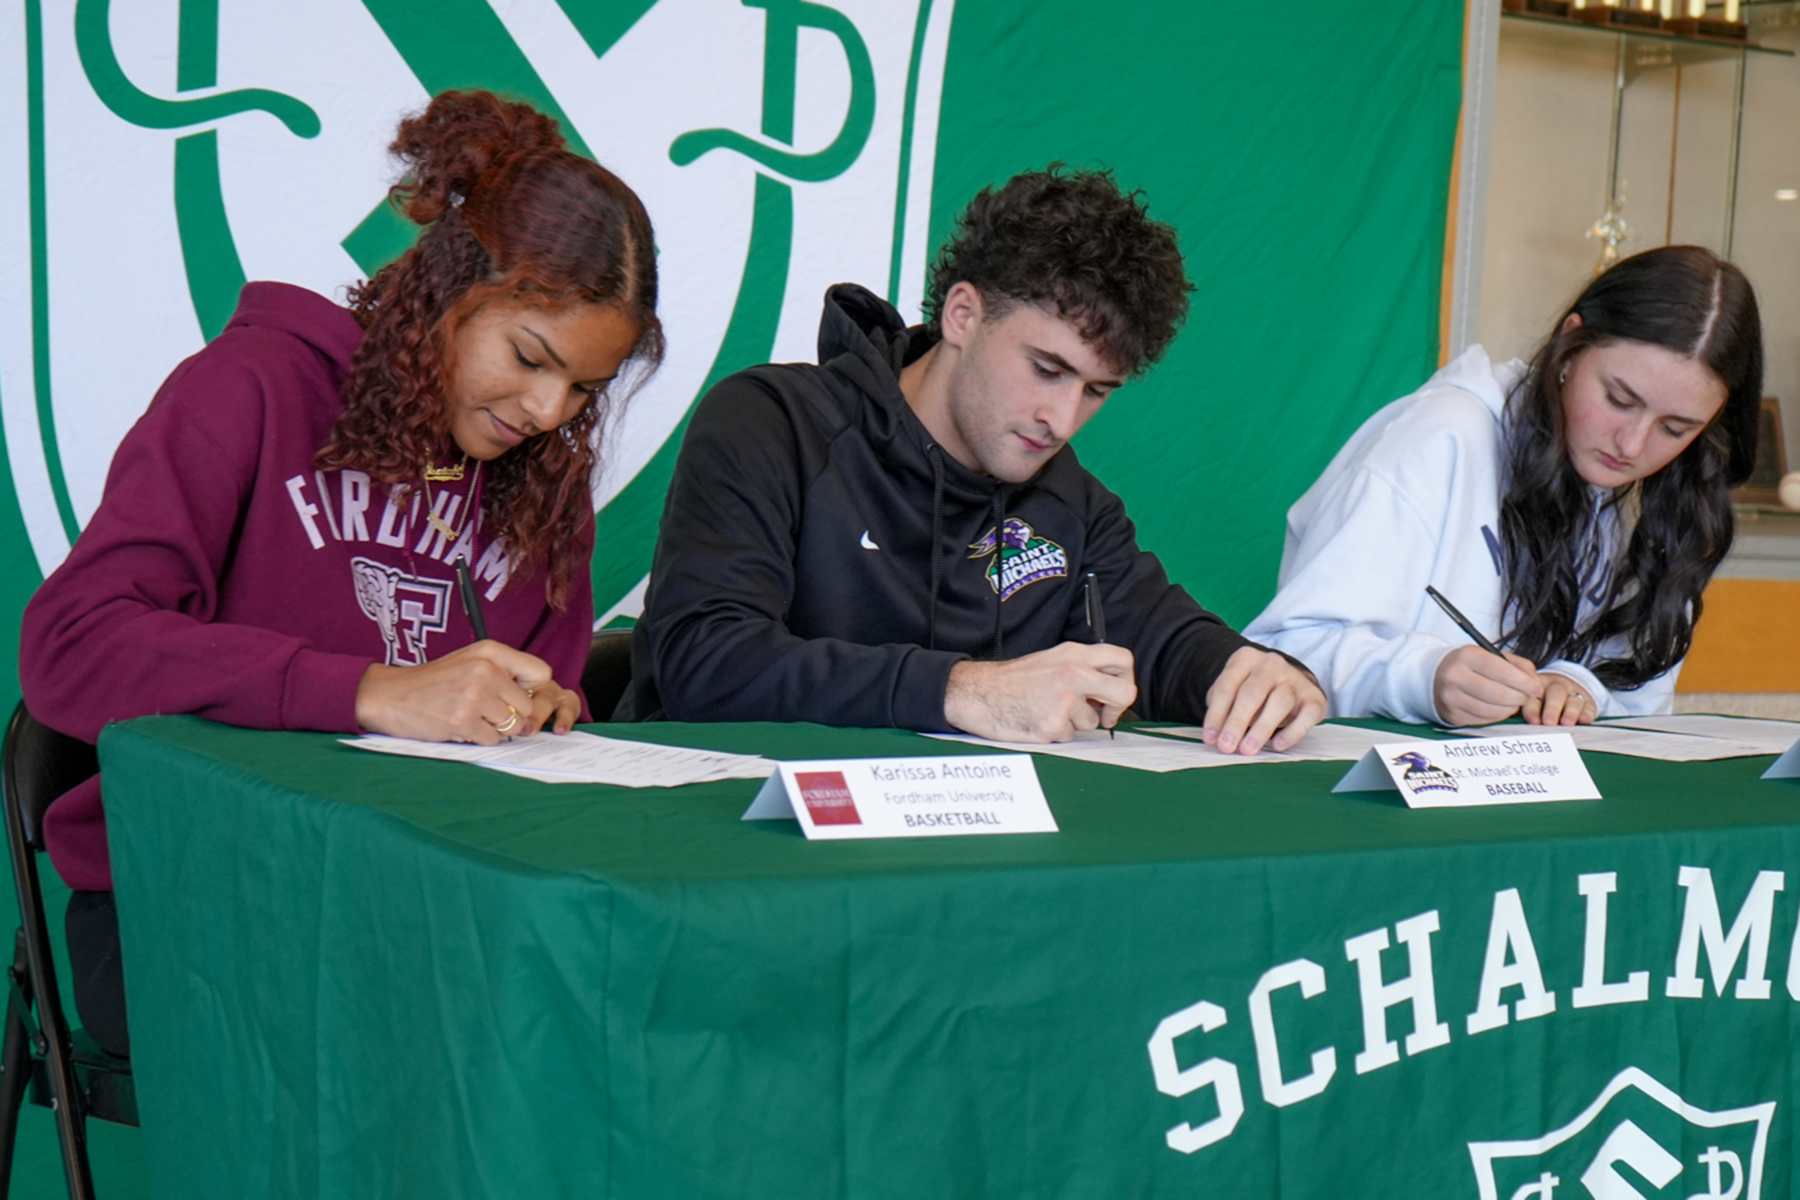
pixel 483 693
pixel 1050 695
pixel 551 705
pixel 1481 684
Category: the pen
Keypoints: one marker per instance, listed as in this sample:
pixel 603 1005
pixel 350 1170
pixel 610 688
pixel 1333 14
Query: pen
pixel 1462 622
pixel 1096 619
pixel 465 584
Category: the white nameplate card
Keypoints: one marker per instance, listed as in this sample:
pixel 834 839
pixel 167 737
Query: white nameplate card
pixel 907 797
pixel 1469 771
pixel 1787 766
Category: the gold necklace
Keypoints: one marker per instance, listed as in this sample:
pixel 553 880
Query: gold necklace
pixel 437 474
pixel 438 523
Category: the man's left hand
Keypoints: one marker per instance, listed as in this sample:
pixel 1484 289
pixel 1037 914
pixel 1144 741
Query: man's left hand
pixel 1260 699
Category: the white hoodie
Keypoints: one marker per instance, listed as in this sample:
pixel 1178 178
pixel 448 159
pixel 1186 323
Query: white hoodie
pixel 1413 499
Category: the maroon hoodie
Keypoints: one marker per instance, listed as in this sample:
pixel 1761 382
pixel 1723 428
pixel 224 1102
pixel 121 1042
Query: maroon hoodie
pixel 224 576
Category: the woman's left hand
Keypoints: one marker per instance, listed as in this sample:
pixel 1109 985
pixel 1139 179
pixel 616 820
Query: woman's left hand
pixel 554 707
pixel 1564 703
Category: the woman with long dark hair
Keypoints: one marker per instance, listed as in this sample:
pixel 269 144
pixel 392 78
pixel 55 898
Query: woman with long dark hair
pixel 278 543
pixel 1573 509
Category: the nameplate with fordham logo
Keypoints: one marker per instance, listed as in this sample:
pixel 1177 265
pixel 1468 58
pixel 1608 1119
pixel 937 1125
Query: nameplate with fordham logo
pixel 907 797
pixel 1468 771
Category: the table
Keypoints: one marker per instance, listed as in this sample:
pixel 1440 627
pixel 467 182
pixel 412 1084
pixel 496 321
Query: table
pixel 355 975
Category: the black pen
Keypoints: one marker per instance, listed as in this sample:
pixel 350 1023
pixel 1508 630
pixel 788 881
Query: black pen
pixel 1096 619
pixel 465 584
pixel 1462 622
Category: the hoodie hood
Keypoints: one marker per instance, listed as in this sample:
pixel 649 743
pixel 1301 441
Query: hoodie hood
pixel 1473 372
pixel 863 341
pixel 326 327
pixel 863 338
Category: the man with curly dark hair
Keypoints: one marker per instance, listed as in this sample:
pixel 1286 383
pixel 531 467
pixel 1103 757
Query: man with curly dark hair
pixel 1075 246
pixel 900 536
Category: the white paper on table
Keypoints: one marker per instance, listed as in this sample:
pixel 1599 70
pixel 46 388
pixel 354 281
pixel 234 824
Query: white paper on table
pixel 538 776
pixel 1325 743
pixel 579 757
pixel 1769 737
pixel 758 768
pixel 1639 743
pixel 1135 750
pixel 745 766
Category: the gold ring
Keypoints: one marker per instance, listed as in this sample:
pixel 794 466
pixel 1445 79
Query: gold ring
pixel 512 720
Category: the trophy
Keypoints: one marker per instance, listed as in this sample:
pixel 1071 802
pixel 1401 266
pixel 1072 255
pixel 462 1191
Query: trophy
pixel 1641 17
pixel 1693 21
pixel 1612 231
pixel 1540 8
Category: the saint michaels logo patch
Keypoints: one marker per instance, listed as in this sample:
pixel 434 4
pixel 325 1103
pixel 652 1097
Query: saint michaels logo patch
pixel 1021 558
pixel 1422 776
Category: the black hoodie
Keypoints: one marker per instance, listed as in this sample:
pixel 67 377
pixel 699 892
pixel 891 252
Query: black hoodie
pixel 822 559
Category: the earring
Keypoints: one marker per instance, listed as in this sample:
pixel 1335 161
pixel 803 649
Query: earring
pixel 1564 377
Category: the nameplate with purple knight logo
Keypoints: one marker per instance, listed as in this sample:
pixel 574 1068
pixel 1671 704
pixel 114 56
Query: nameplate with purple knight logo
pixel 1465 772
pixel 907 797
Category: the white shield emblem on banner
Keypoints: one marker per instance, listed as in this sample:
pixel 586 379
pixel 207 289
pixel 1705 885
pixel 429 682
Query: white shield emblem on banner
pixel 1635 1129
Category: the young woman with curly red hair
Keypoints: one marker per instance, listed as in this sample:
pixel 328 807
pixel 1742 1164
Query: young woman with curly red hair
pixel 278 541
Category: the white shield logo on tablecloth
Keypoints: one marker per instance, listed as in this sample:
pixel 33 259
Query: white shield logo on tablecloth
pixel 1636 1129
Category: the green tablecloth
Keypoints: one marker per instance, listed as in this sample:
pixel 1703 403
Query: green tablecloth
pixel 354 975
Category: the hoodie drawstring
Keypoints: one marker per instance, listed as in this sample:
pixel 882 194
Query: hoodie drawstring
pixel 999 574
pixel 937 539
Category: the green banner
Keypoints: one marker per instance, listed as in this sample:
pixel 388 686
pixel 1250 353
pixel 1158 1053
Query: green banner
pixel 1305 162
pixel 781 146
pixel 1224 982
pixel 158 155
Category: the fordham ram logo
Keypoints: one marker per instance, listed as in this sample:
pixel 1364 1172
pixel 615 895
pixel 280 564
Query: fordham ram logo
pixel 1634 1141
pixel 408 610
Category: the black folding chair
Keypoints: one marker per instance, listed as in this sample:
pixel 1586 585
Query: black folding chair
pixel 40 1056
pixel 608 672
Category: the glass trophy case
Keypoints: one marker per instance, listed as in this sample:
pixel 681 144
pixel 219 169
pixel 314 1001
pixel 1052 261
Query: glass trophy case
pixel 1613 137
pixel 1612 134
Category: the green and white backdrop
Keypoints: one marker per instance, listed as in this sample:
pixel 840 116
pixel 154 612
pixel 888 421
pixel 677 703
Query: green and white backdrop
pixel 155 154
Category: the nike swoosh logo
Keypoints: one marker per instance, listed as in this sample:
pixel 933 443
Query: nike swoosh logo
pixel 867 544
